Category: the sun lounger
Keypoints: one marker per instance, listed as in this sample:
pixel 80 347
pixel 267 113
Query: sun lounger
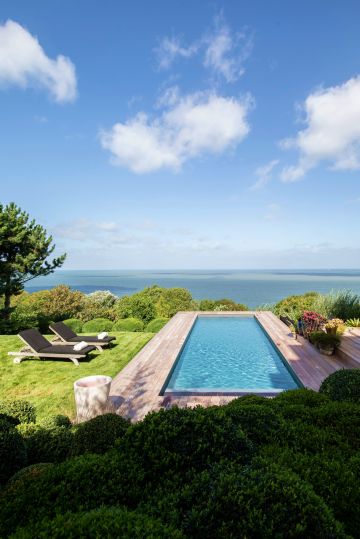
pixel 66 335
pixel 39 347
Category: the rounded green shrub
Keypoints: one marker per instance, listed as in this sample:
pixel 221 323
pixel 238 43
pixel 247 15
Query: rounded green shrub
pixel 107 522
pixel 99 434
pixel 7 421
pixel 181 440
pixel 46 444
pixel 12 453
pixel 33 471
pixel 266 501
pixel 128 324
pixel 250 398
pixel 88 481
pixel 22 410
pixel 303 396
pixel 58 420
pixel 97 325
pixel 155 325
pixel 260 423
pixel 75 324
pixel 342 385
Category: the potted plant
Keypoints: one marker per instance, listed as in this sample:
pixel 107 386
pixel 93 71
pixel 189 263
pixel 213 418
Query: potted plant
pixel 326 342
pixel 312 322
pixel 333 325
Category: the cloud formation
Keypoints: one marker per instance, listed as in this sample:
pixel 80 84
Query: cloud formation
pixel 264 175
pixel 24 63
pixel 332 132
pixel 187 127
pixel 223 51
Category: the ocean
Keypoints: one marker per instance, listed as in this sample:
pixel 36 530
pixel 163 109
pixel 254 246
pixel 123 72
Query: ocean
pixel 252 287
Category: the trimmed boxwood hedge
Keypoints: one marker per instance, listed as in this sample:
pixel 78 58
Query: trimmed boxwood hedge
pixel 128 324
pixel 75 324
pixel 97 325
pixel 155 325
pixel 104 523
pixel 265 501
pixel 22 410
pixel 342 385
pixel 13 455
pixel 99 434
pixel 256 467
pixel 46 444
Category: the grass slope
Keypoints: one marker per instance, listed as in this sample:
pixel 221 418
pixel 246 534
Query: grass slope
pixel 49 383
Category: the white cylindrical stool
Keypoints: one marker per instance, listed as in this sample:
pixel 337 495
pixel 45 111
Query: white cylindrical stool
pixel 91 396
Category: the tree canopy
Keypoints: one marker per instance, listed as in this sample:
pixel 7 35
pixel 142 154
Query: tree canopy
pixel 25 248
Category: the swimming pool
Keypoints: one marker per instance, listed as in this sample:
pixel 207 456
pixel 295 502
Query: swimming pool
pixel 229 354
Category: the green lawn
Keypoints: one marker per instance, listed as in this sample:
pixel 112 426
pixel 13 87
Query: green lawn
pixel 49 383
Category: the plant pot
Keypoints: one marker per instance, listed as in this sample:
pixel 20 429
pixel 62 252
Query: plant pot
pixel 326 351
pixel 91 396
pixel 331 331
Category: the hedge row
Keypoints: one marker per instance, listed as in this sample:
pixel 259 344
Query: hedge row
pixel 287 467
pixel 124 324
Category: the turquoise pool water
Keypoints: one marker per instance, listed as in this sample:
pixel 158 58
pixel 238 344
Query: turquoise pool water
pixel 229 354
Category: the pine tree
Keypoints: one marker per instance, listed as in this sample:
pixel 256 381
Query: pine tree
pixel 24 249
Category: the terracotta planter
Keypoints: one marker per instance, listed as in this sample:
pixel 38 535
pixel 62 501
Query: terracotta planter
pixel 91 396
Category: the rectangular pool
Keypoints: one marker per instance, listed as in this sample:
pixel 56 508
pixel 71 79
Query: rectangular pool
pixel 229 354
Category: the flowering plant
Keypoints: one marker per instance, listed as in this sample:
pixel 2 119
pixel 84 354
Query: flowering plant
pixel 312 321
pixel 334 323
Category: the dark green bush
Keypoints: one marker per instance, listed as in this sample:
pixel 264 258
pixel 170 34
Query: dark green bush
pixel 46 444
pixel 251 398
pixel 52 421
pixel 184 440
pixel 265 502
pixel 332 477
pixel 85 482
pixel 104 523
pixel 305 397
pixel 99 434
pixel 22 410
pixel 342 385
pixel 128 324
pixel 75 324
pixel 29 472
pixel 97 325
pixel 260 423
pixel 324 340
pixel 8 421
pixel 12 452
pixel 155 325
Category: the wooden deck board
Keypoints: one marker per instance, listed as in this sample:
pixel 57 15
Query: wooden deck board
pixel 136 389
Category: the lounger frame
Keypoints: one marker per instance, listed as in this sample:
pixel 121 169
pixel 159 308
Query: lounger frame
pixel 58 340
pixel 28 351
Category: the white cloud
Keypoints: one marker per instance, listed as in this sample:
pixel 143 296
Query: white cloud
pixel 193 125
pixel 223 51
pixel 264 174
pixel 171 48
pixel 332 132
pixel 24 63
pixel 226 52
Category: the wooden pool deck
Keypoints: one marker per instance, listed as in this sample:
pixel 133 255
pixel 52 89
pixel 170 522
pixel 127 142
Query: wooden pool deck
pixel 135 391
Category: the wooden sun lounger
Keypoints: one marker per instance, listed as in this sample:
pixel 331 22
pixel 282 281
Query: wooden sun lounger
pixel 65 335
pixel 39 347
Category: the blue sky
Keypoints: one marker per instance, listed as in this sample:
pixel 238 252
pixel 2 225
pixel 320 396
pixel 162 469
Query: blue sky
pixel 180 134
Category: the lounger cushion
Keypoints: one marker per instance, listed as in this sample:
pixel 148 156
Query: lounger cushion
pixel 92 338
pixel 66 350
pixel 63 330
pixel 34 339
